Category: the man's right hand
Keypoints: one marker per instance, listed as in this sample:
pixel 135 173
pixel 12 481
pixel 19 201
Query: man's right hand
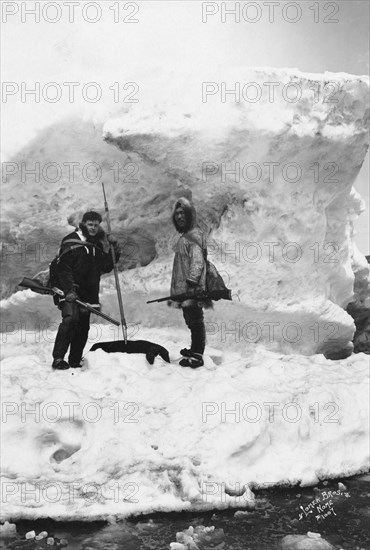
pixel 71 296
pixel 192 288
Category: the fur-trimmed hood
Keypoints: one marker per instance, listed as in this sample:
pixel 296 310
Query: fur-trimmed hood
pixel 190 214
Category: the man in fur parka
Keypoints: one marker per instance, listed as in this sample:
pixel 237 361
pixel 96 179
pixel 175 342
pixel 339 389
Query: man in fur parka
pixel 189 276
pixel 84 255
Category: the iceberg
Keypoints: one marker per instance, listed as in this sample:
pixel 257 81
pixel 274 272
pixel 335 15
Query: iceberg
pixel 273 184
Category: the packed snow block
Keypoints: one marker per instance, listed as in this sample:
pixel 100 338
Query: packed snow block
pixel 359 309
pixel 271 174
pixel 55 196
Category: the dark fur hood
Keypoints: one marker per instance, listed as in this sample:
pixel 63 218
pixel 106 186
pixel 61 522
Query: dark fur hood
pixel 190 214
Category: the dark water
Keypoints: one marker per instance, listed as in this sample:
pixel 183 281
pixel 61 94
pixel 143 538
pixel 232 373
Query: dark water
pixel 277 514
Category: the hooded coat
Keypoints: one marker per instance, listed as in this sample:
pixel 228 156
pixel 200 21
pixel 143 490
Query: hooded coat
pixel 189 265
pixel 80 268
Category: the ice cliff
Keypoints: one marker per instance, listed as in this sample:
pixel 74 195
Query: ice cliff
pixel 272 180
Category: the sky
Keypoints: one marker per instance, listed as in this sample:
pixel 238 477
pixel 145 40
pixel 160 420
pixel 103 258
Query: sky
pixel 155 43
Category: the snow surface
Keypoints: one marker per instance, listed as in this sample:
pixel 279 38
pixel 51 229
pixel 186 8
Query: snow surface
pixel 144 438
pixel 264 347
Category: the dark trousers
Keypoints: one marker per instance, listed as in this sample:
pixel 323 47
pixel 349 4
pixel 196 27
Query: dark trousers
pixel 195 321
pixel 73 331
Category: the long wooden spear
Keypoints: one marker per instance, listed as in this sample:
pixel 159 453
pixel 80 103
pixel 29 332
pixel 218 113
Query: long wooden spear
pixel 115 268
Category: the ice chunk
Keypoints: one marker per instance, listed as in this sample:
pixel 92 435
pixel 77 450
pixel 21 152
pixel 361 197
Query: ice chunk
pixel 8 530
pixel 305 542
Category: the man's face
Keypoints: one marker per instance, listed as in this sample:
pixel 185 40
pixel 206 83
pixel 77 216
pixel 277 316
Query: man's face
pixel 180 217
pixel 92 227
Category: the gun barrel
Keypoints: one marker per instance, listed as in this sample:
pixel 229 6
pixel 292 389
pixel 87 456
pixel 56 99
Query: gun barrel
pixel 37 287
pixel 98 312
pixel 224 294
pixel 177 298
pixel 159 300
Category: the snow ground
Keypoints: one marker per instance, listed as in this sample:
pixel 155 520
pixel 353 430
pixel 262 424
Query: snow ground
pixel 122 437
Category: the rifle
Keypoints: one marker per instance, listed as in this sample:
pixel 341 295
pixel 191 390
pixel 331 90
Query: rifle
pixel 36 286
pixel 115 269
pixel 213 295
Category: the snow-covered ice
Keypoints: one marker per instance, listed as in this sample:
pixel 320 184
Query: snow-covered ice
pixel 273 180
pixel 122 437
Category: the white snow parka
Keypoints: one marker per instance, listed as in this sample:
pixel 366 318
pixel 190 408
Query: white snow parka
pixel 189 265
